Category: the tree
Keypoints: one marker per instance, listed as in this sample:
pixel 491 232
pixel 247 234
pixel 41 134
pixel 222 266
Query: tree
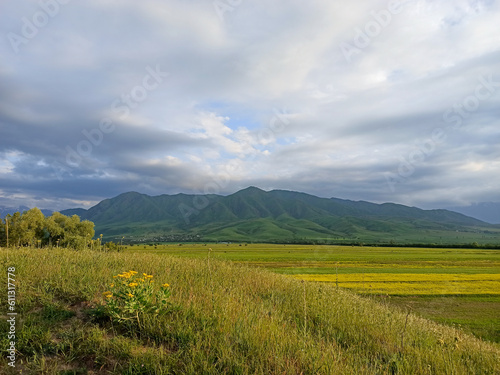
pixel 32 227
pixel 77 233
pixel 54 229
pixel 85 228
pixel 32 224
pixel 111 246
pixel 3 232
pixel 15 229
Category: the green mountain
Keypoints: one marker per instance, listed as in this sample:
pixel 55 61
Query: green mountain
pixel 256 215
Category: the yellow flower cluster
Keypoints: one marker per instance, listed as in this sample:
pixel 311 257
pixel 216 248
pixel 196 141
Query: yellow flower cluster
pixel 130 284
pixel 128 279
pixel 126 275
pixel 132 295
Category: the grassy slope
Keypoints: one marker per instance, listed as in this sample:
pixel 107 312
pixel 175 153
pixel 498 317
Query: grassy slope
pixel 287 229
pixel 230 319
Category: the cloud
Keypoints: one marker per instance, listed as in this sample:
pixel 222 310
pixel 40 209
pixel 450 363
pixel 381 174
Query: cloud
pixel 264 95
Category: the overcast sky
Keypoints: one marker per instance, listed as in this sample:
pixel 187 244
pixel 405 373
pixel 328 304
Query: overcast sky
pixel 366 100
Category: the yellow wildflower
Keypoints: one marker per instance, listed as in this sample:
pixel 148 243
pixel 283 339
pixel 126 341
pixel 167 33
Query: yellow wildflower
pixel 126 275
pixel 133 284
pixel 130 295
pixel 111 285
pixel 109 295
pixel 165 285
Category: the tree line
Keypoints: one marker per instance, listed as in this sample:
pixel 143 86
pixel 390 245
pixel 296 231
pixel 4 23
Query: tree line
pixel 32 228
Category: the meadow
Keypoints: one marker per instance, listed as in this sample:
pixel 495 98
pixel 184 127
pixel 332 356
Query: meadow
pixel 134 312
pixel 454 286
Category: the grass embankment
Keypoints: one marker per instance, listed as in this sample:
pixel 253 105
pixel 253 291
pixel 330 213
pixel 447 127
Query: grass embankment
pixel 222 318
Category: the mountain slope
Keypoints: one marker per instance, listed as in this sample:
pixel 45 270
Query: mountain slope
pixel 278 215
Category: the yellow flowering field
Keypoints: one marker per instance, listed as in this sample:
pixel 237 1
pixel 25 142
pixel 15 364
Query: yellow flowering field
pixel 412 283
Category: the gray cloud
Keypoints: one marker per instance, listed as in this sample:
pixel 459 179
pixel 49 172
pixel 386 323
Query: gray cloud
pixel 381 125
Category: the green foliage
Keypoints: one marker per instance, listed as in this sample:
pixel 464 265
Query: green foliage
pixel 112 246
pixel 32 228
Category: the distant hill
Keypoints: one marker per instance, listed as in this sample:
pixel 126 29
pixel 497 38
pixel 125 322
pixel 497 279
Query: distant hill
pixel 4 210
pixel 256 215
pixel 485 211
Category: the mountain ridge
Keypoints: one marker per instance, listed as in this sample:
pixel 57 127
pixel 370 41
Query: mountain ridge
pixel 253 214
pixel 9 210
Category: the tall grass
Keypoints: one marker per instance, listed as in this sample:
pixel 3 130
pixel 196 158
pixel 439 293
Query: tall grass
pixel 228 319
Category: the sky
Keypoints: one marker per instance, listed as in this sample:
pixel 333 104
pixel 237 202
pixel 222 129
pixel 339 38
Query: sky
pixel 382 101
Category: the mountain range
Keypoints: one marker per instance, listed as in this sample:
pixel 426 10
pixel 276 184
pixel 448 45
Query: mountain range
pixel 253 214
pixel 8 210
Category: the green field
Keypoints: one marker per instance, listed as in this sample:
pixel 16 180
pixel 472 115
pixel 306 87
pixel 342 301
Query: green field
pixel 454 286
